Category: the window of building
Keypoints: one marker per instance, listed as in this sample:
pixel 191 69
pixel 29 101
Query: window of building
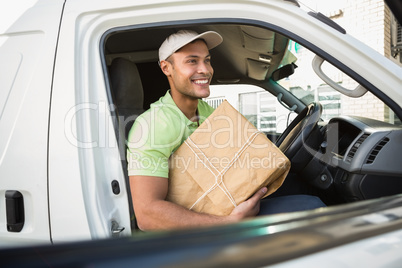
pixel 396 39
pixel 215 102
pixel 264 111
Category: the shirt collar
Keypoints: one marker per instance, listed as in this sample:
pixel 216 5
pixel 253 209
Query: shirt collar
pixel 167 99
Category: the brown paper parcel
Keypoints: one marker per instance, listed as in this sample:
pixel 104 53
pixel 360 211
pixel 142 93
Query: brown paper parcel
pixel 224 162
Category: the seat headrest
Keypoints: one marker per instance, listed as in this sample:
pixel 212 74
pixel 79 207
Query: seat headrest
pixel 126 84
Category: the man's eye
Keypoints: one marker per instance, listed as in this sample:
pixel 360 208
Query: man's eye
pixel 192 61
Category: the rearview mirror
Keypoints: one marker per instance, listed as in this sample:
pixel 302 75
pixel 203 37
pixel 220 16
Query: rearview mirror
pixel 284 71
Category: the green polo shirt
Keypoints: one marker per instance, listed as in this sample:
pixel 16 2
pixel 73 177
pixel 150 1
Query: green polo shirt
pixel 157 133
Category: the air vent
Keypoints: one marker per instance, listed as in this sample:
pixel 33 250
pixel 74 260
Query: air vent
pixel 356 146
pixel 376 150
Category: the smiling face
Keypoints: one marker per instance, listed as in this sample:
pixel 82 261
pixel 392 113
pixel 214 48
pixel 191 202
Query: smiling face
pixel 189 71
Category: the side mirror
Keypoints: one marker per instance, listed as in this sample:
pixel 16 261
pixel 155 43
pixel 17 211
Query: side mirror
pixel 284 71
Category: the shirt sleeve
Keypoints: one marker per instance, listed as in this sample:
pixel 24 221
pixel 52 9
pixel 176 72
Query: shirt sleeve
pixel 150 143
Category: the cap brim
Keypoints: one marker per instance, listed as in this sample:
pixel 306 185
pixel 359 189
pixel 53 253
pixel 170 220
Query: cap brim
pixel 212 39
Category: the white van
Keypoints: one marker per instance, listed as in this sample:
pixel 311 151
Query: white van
pixel 74 74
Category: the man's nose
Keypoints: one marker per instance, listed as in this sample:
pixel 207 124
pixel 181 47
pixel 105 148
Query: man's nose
pixel 204 68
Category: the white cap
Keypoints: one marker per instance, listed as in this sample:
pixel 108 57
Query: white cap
pixel 183 37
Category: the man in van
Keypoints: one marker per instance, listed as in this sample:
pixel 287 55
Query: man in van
pixel 185 60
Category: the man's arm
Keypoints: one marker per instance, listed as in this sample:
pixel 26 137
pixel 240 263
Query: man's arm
pixel 154 212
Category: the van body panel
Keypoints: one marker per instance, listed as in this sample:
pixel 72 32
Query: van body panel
pixel 26 62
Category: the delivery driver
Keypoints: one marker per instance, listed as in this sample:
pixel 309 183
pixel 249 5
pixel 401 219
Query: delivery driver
pixel 185 60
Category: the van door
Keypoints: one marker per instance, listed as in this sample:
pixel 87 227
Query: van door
pixel 87 189
pixel 27 51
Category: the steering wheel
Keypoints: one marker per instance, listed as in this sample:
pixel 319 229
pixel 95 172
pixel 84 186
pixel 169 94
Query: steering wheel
pixel 295 135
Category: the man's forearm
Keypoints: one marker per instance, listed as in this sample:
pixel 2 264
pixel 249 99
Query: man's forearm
pixel 154 212
pixel 161 214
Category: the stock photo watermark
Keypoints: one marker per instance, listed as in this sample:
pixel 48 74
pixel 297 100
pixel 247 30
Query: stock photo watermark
pixel 98 125
pixel 184 163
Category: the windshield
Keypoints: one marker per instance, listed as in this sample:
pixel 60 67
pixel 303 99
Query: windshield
pixel 265 111
pixel 308 87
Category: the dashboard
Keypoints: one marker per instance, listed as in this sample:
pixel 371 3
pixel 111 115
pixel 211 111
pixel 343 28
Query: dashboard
pixel 359 159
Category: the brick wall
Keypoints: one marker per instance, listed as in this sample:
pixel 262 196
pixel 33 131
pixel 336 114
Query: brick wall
pixel 368 21
pixel 367 106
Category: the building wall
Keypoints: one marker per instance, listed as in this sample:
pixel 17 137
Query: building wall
pixel 365 20
pixel 370 22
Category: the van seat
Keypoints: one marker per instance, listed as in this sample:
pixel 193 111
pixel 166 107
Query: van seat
pixel 128 97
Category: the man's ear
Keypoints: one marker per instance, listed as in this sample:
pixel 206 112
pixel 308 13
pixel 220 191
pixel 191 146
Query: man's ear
pixel 166 67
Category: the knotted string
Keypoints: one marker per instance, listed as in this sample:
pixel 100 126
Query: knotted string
pixel 219 175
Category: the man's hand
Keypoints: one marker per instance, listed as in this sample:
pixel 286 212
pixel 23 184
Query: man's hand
pixel 250 207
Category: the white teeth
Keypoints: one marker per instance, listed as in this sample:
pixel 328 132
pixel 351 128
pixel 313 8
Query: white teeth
pixel 201 82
